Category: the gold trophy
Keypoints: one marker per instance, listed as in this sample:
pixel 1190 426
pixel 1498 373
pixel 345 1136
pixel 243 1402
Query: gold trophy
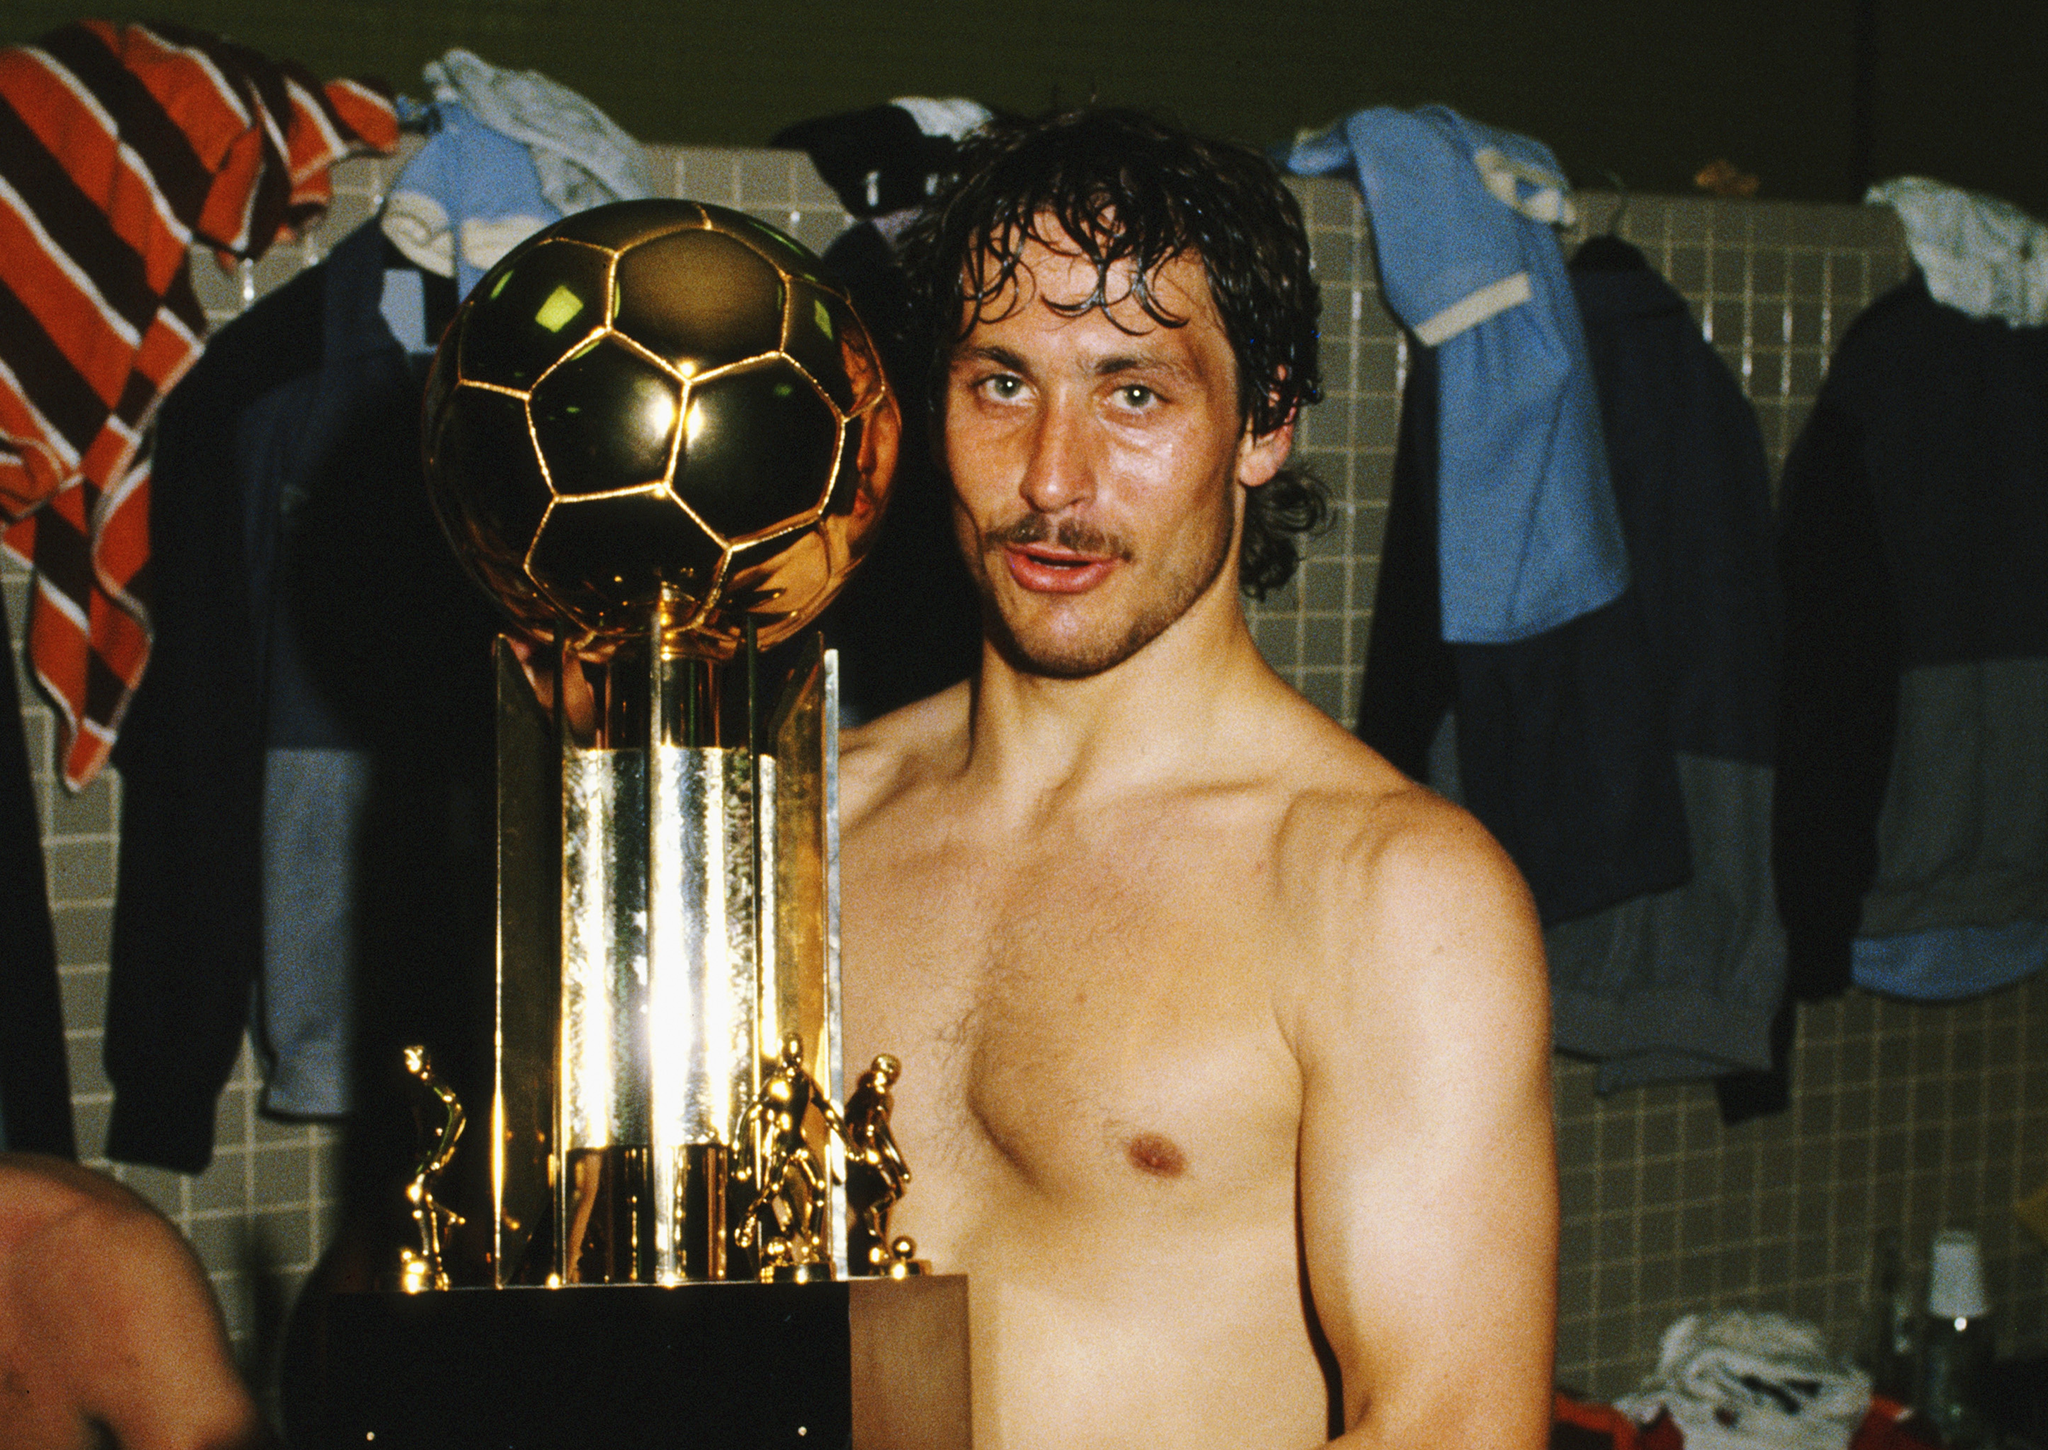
pixel 660 438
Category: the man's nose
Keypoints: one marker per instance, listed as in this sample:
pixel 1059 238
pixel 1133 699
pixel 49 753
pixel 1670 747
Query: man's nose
pixel 1059 472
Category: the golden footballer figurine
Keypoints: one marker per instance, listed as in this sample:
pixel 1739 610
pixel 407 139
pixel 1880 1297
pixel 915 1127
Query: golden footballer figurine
pixel 426 1268
pixel 790 1204
pixel 877 1171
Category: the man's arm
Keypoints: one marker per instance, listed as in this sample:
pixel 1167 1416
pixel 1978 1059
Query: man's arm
pixel 1428 1167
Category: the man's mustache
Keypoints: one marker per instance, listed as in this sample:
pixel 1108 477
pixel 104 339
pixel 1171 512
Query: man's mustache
pixel 1067 533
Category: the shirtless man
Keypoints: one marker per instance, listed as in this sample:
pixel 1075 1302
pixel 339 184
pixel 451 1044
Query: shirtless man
pixel 1225 1048
pixel 109 1334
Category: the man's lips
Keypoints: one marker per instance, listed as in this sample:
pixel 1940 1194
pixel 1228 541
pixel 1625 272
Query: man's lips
pixel 1049 569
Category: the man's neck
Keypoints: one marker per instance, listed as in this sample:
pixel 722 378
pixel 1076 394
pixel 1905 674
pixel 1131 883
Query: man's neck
pixel 1170 712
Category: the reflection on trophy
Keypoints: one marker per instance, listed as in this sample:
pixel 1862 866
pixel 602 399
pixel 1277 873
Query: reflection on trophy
pixel 661 440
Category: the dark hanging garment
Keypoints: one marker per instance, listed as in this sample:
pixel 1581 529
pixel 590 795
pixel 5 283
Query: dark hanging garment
pixel 1622 759
pixel 35 1082
pixel 1912 823
pixel 1561 744
pixel 308 768
pixel 1684 984
pixel 1911 820
pixel 908 624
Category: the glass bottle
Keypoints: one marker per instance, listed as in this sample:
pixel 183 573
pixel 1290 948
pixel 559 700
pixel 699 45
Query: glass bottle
pixel 1956 1345
pixel 1891 1320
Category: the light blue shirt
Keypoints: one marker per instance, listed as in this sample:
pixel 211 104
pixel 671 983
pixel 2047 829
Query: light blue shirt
pixel 1462 217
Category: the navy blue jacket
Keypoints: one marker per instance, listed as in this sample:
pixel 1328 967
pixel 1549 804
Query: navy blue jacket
pixel 304 595
pixel 1624 759
pixel 35 1078
pixel 1913 795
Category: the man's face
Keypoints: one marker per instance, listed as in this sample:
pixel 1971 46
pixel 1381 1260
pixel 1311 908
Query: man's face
pixel 1096 460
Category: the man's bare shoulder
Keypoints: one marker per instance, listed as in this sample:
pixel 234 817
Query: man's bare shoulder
pixel 39 1195
pixel 1388 873
pixel 888 756
pixel 1342 805
pixel 107 1319
pixel 1418 1014
pixel 1382 833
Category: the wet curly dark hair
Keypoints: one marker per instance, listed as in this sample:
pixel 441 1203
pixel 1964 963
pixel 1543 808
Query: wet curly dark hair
pixel 1127 188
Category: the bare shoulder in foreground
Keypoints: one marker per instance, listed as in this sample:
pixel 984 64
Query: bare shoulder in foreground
pixel 1233 1102
pixel 108 1329
pixel 1409 986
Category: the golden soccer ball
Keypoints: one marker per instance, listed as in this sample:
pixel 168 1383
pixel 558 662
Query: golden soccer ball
pixel 659 392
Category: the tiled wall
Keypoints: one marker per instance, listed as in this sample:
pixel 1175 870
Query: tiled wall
pixel 1909 1118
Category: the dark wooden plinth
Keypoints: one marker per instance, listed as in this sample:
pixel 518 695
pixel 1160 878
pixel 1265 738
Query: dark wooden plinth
pixel 873 1364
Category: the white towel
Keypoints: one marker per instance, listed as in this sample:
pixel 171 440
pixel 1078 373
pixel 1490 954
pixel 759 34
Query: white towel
pixel 1980 255
pixel 582 157
pixel 1752 1381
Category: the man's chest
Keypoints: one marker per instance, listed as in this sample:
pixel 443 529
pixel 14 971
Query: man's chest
pixel 1076 1034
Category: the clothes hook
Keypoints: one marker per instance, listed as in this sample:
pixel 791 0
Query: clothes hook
pixel 1620 202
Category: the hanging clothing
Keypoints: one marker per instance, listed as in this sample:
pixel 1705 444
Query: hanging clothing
pixel 1912 814
pixel 580 156
pixel 908 624
pixel 469 197
pixel 885 159
pixel 307 768
pixel 508 152
pixel 35 1077
pixel 1622 759
pixel 120 148
pixel 1982 256
pixel 1683 983
pixel 1462 221
pixel 1560 745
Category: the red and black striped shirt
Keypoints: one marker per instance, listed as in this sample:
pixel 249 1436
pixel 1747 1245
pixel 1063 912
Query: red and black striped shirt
pixel 120 149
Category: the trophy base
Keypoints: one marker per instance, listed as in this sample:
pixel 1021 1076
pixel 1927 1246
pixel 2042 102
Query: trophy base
pixel 875 1364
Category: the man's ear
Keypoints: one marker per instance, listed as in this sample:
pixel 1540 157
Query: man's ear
pixel 1259 455
pixel 881 437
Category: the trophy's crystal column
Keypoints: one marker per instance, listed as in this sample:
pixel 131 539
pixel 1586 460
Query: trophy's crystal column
pixel 696 933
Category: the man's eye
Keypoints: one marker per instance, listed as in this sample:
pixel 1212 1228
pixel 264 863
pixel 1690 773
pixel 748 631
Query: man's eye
pixel 1003 385
pixel 1135 395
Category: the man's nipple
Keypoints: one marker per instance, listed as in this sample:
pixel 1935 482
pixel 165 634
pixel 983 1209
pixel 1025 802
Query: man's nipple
pixel 1160 1157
